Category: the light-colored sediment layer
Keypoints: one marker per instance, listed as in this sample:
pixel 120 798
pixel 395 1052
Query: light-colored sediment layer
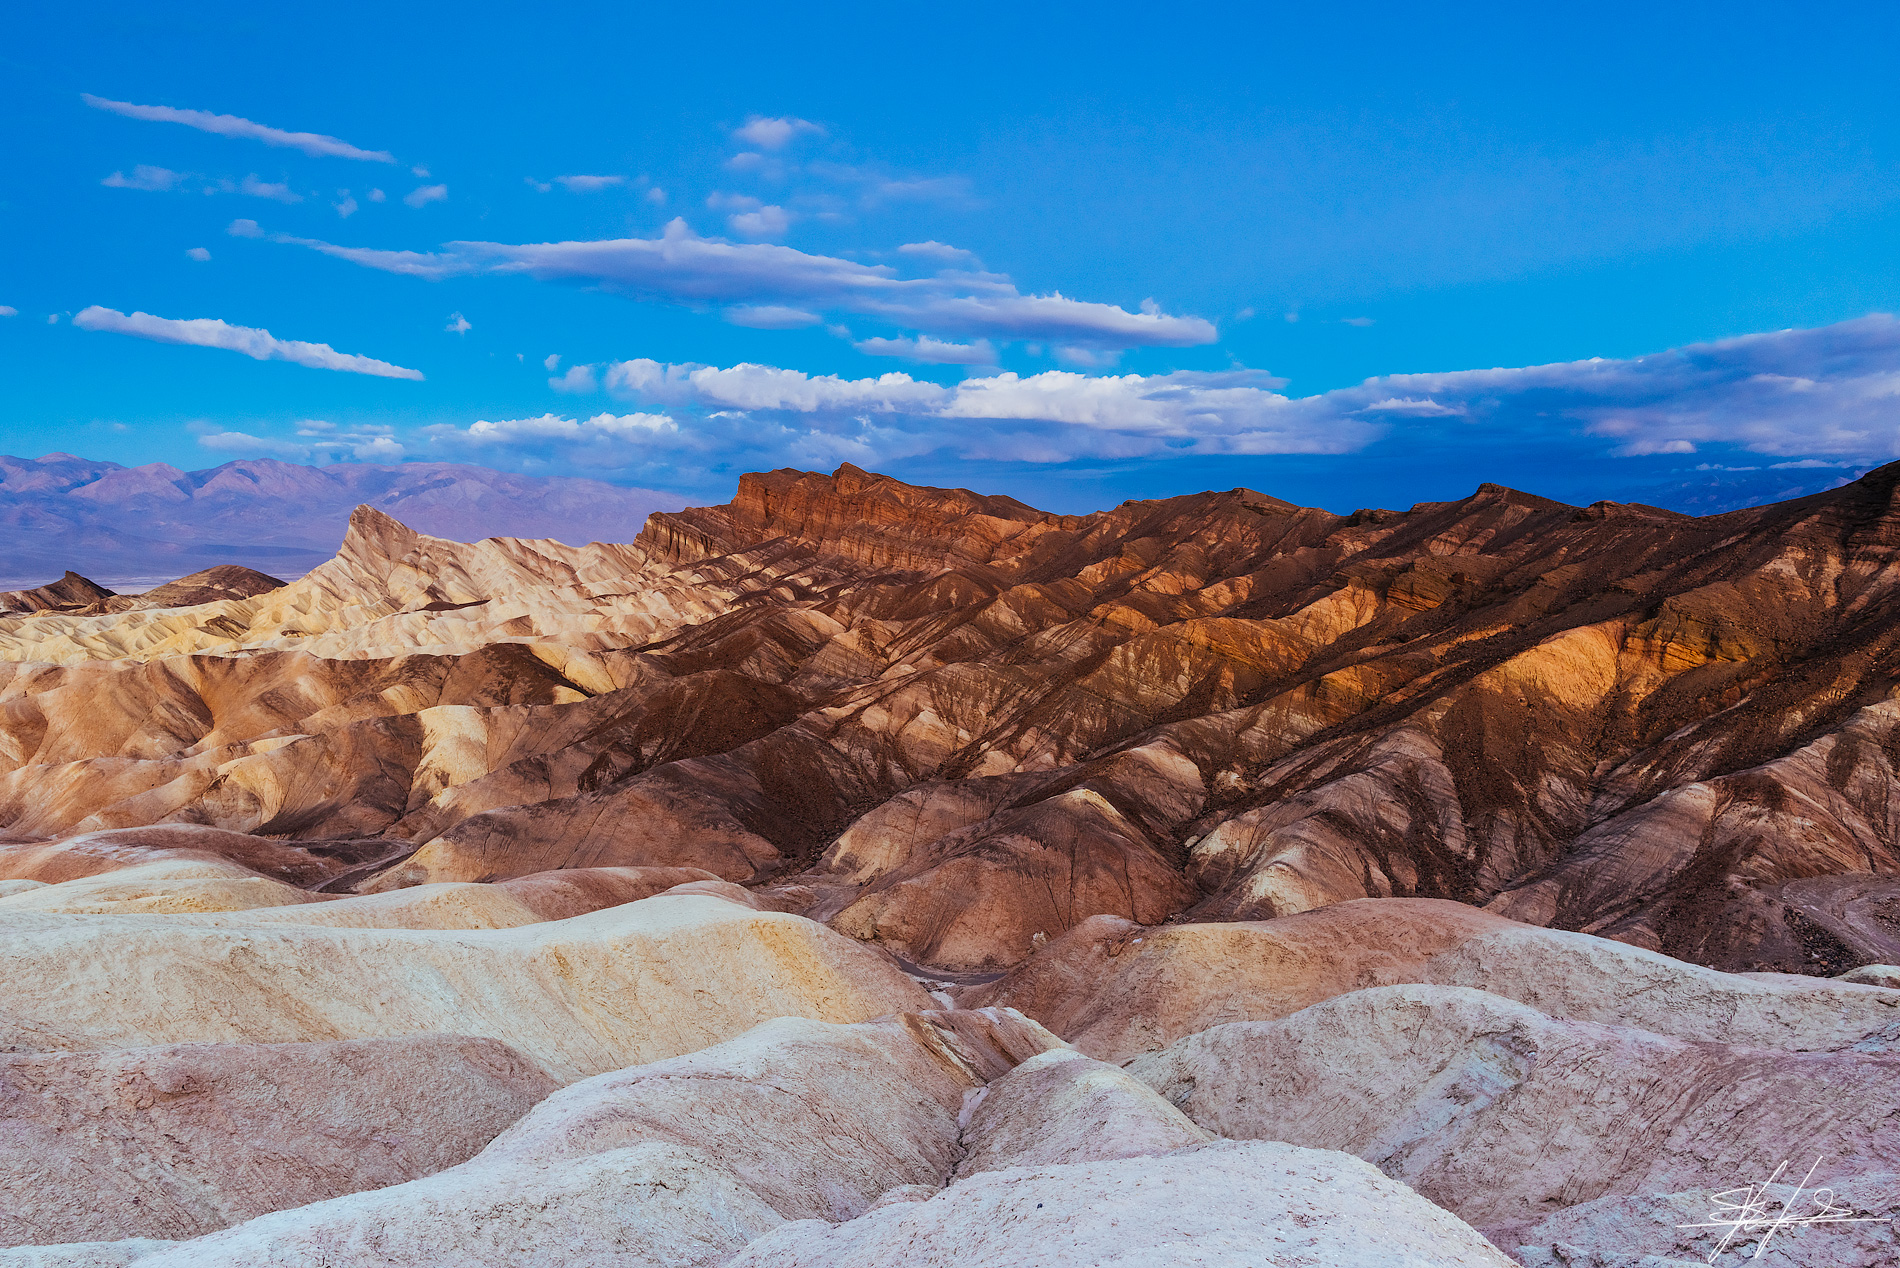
pixel 1115 989
pixel 598 992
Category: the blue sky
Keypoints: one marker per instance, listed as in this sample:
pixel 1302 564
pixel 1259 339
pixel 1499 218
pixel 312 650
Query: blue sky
pixel 1078 255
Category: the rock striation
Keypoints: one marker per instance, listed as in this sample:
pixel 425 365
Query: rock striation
pixel 1671 731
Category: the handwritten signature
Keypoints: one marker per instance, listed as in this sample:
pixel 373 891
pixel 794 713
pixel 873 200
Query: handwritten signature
pixel 1747 1210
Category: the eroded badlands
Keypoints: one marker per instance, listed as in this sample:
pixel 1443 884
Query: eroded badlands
pixel 859 874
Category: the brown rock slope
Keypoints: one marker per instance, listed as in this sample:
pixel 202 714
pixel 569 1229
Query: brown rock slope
pixel 961 727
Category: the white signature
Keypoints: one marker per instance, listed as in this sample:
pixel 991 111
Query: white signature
pixel 1745 1211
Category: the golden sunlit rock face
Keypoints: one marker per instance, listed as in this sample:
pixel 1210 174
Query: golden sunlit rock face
pixel 958 727
pixel 861 874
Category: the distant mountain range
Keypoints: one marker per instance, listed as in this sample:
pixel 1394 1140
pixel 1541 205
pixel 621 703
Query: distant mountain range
pixel 130 525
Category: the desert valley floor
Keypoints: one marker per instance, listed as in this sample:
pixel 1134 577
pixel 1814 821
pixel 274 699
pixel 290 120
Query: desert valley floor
pixel 867 875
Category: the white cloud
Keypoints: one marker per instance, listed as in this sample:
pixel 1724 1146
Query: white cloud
pixel 763 387
pixel 682 267
pixel 8 310
pixel 601 429
pixel 590 184
pixel 656 195
pixel 244 229
pixel 766 222
pixel 551 361
pixel 426 194
pixel 52 319
pixel 144 176
pixel 1827 398
pixel 420 172
pixel 579 380
pixel 346 206
pixel 377 195
pixel 1356 321
pixel 458 324
pixel 775 133
pixel 771 317
pixel 264 189
pixel 260 345
pixel 932 351
pixel 311 143
pixel 200 254
pixel 315 441
pixel 934 250
pixel 164 180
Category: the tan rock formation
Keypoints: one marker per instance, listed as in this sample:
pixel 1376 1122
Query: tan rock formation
pixel 597 992
pixel 1501 1114
pixel 1115 989
pixel 1672 731
pixel 178 1141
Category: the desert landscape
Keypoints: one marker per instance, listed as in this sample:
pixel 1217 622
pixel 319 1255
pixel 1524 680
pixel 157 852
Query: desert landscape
pixel 860 873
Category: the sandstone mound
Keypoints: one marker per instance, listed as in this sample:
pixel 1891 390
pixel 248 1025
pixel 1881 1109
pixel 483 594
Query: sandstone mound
pixel 1227 1205
pixel 178 1141
pixel 1115 989
pixel 1501 1114
pixel 1060 1107
pixel 597 992
pixel 181 883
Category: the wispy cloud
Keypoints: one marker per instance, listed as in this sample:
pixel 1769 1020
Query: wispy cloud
pixel 260 345
pixel 458 324
pixel 314 441
pixel 427 194
pixel 771 317
pixel 934 250
pixel 930 351
pixel 164 180
pixel 590 184
pixel 682 267
pixel 312 143
pixel 144 176
pixel 774 133
pixel 200 254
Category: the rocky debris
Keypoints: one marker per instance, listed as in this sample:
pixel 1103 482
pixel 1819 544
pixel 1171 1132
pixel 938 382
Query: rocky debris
pixel 631 983
pixel 173 1142
pixel 1115 989
pixel 1501 1114
pixel 1224 1205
